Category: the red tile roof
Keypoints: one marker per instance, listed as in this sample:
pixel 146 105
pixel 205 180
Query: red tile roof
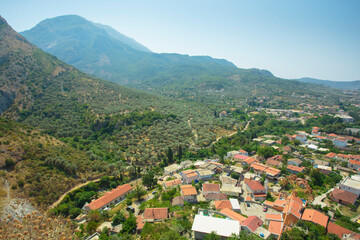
pixel 273 162
pixel 345 196
pixel 338 230
pixel 315 217
pixel 249 160
pixel 222 204
pixel 211 187
pixel 188 190
pixel 252 222
pixel 248 198
pixel 155 213
pixel 139 223
pixel 110 196
pixel 216 196
pixel 279 202
pixel 268 203
pixel 255 185
pixel 275 227
pixel 295 168
pixel 233 215
pixel 173 182
pixel 240 157
pixel 178 200
pixel 242 151
pixel 354 162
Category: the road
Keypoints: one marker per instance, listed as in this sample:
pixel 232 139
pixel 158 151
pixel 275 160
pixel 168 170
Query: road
pixel 318 199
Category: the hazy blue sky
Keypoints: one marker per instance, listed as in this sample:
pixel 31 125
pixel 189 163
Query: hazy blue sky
pixel 291 38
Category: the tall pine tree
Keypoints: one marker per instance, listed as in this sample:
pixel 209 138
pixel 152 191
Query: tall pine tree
pixel 180 152
pixel 170 155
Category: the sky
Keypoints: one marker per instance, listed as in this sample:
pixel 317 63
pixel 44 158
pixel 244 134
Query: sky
pixel 290 38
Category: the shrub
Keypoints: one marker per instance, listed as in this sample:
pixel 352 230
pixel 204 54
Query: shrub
pixel 9 163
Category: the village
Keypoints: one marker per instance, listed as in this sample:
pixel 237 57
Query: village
pixel 245 193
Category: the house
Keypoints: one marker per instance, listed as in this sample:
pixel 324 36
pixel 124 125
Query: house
pixel 189 176
pixel 342 232
pixel 231 154
pixel 172 183
pixel 204 174
pixel 324 169
pixel 354 164
pixel 140 223
pixel 270 172
pixel 321 162
pixel 215 196
pixel 294 161
pixel 345 118
pixel 331 155
pixel 186 164
pixel 233 215
pixel 231 190
pixel 256 189
pixel 155 214
pixel 243 152
pixel 343 157
pixel 275 228
pixel 221 204
pixel 224 228
pixel 239 158
pixel 269 142
pixel 113 197
pixel 178 201
pixel 292 210
pixel 294 169
pixel 198 163
pixel 235 204
pixel 189 193
pixel 210 188
pixel 286 149
pixel 273 163
pixel 248 161
pixel 340 142
pixel 315 217
pixel 302 138
pixel 223 114
pixel 171 169
pixel 252 223
pixel 279 204
pixel 343 197
pixel 227 180
pixel 350 185
pixel 315 131
pixel 268 204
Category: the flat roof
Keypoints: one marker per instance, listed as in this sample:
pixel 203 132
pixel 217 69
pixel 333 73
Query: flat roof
pixel 351 183
pixel 222 227
pixel 234 203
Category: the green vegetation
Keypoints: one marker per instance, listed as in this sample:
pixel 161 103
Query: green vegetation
pixel 307 230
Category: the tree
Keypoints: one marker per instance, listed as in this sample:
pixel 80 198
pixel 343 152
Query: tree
pixel 170 155
pixel 266 152
pixel 118 218
pixel 139 192
pixel 212 236
pixel 180 152
pixel 130 224
pixel 149 179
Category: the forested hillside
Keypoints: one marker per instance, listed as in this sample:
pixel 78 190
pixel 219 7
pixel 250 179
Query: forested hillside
pixel 98 50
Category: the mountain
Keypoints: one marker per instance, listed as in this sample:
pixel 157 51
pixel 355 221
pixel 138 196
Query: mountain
pixel 349 85
pixel 96 50
pixel 63 123
pixel 100 50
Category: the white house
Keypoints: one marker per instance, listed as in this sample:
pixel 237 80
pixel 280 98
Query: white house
pixel 223 227
pixel 235 204
pixel 350 185
pixel 302 138
pixel 204 174
pixel 340 142
pixel 171 169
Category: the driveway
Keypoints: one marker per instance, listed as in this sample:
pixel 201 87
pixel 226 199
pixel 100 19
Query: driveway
pixel 319 199
pixel 255 210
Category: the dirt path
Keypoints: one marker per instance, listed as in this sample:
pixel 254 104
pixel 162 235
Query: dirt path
pixel 196 136
pixel 70 190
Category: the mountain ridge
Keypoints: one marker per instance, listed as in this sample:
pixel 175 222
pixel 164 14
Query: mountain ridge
pixel 348 85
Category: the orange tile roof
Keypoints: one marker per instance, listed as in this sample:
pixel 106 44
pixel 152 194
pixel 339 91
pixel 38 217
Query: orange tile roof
pixel 354 162
pixel 280 202
pixel 211 187
pixel 240 157
pixel 242 151
pixel 248 198
pixel 216 163
pixel 275 227
pixel 110 196
pixel 187 171
pixel 173 182
pixel 272 171
pixel 216 196
pixel 345 196
pixel 233 215
pixel 338 230
pixel 258 166
pixel 273 162
pixel 222 204
pixel 139 222
pixel 268 203
pixel 275 217
pixel 295 168
pixel 330 155
pixel 188 190
pixel 250 160
pixel 155 213
pixel 315 217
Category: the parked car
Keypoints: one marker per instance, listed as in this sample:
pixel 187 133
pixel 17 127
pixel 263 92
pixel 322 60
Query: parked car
pixel 265 209
pixel 154 192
